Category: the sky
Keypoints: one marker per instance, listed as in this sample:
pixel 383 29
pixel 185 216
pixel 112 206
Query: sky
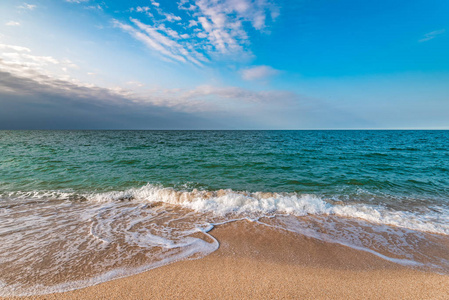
pixel 224 64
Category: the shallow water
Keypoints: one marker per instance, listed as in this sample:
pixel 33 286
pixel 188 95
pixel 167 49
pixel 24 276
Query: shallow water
pixel 82 207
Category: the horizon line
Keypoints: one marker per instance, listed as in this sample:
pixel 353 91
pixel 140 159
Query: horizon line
pixel 312 129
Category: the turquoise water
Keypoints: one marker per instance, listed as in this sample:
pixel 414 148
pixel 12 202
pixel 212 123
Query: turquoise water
pixel 394 167
pixel 98 205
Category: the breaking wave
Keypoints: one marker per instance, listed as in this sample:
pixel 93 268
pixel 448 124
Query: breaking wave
pixel 258 204
pixel 57 241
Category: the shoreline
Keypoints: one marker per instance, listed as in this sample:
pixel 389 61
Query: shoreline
pixel 258 262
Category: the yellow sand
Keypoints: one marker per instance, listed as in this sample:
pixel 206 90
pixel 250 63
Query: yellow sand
pixel 256 262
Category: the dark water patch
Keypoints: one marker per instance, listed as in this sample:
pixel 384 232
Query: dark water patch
pixel 376 155
pixel 128 162
pixel 405 149
pixel 140 147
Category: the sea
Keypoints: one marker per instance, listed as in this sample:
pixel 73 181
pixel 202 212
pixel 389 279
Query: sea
pixel 82 207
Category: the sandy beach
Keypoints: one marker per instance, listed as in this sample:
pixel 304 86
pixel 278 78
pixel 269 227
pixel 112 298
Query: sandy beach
pixel 224 149
pixel 258 262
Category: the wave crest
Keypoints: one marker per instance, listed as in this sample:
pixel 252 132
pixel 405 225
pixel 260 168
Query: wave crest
pixel 226 202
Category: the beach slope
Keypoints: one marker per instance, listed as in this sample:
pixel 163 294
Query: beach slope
pixel 258 262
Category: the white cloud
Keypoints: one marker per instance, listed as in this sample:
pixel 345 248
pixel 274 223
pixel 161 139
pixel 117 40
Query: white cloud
pixel 142 9
pixel 27 6
pixel 12 23
pixel 192 23
pixel 186 5
pixel 42 77
pixel 205 23
pixel 431 35
pixel 76 1
pixel 238 94
pixel 135 83
pixel 30 60
pixel 94 7
pixel 258 72
pixel 155 39
pixel 171 17
pixel 223 21
pixel 15 48
pixel 168 31
pixel 209 28
pixel 18 60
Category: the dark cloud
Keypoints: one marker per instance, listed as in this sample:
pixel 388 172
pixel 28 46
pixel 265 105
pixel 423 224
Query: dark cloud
pixel 27 103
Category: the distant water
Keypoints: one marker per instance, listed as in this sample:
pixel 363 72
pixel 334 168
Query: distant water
pixel 82 207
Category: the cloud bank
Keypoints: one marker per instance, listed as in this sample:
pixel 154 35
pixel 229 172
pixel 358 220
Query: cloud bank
pixel 37 92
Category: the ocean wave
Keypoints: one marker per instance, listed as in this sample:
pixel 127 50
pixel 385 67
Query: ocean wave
pixel 98 236
pixel 227 202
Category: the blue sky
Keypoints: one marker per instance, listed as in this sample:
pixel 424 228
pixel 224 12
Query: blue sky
pixel 230 64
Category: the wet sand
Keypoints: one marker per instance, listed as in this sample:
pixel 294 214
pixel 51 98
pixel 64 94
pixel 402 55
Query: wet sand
pixel 258 262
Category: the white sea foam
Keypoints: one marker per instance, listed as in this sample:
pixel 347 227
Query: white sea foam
pixel 226 202
pixel 54 246
pixel 114 229
pixel 200 250
pixel 254 205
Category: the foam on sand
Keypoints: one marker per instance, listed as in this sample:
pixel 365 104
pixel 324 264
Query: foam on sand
pixel 58 241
